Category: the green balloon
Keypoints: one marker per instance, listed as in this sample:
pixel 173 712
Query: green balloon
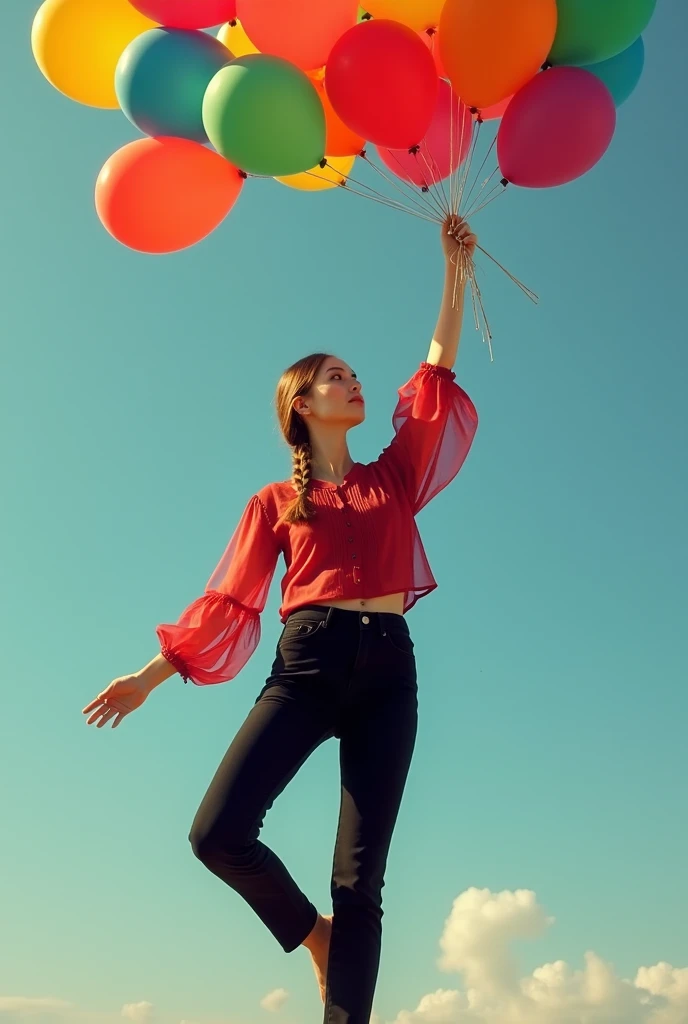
pixel 264 115
pixel 589 31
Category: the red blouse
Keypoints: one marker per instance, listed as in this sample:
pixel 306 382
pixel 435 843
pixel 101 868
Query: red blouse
pixel 363 542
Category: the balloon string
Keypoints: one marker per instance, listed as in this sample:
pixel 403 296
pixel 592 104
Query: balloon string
pixel 527 291
pixel 495 192
pixel 466 274
pixel 418 197
pixel 443 207
pixel 468 162
pixel 386 200
pixel 390 203
pixel 480 171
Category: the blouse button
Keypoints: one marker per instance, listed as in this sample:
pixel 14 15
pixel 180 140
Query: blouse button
pixel 348 523
pixel 353 556
pixel 349 539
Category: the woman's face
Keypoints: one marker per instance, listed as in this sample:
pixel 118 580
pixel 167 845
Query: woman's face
pixel 335 396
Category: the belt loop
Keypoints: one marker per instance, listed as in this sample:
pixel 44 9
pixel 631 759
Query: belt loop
pixel 328 616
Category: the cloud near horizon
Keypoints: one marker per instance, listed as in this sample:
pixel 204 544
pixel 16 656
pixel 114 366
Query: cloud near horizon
pixel 475 944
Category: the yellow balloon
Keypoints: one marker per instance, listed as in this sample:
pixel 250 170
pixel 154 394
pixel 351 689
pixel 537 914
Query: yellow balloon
pixel 417 14
pixel 232 36
pixel 319 178
pixel 77 44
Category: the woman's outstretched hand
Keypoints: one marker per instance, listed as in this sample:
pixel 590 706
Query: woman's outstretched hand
pixel 119 698
pixel 456 233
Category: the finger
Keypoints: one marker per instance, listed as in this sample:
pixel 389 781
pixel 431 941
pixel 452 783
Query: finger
pixel 110 713
pixel 93 704
pixel 96 714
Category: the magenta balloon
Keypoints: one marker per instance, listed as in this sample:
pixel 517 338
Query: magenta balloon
pixel 555 128
pixel 444 147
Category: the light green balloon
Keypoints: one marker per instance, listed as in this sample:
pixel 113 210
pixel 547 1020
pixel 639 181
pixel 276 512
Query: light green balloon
pixel 589 31
pixel 264 115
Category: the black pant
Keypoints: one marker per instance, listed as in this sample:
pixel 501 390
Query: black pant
pixel 341 673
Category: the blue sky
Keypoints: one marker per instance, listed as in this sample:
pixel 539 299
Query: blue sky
pixel 137 419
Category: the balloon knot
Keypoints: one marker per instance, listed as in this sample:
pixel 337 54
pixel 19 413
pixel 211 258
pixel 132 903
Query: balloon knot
pixel 504 182
pixel 364 154
pixel 430 31
pixel 233 23
pixel 243 174
pixel 546 66
pixel 413 150
pixel 366 16
pixel 323 163
pixel 424 188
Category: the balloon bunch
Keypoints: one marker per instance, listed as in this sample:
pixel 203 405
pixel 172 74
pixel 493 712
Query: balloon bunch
pixel 297 89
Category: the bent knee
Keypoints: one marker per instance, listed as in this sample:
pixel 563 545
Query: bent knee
pixel 212 846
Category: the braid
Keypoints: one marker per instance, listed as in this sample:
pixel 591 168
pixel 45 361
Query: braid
pixel 301 471
pixel 301 508
pixel 297 382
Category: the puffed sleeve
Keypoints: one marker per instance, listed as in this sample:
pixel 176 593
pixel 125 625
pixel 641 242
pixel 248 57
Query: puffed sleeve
pixel 434 425
pixel 219 631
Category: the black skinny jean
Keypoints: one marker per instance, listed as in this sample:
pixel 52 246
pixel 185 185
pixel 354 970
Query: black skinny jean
pixel 341 673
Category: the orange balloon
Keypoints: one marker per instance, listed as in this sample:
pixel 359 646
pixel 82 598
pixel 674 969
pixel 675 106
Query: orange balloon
pixel 340 139
pixel 492 48
pixel 164 194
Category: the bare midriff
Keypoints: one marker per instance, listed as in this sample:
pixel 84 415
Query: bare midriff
pixel 387 603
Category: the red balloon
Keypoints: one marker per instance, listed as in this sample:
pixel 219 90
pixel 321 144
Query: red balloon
pixel 446 144
pixel 382 82
pixel 164 194
pixel 300 31
pixel 555 128
pixel 187 13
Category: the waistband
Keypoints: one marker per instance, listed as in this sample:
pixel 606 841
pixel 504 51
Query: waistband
pixel 329 615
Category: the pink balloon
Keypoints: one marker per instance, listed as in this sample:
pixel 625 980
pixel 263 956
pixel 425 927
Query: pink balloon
pixel 495 110
pixel 446 143
pixel 187 14
pixel 432 40
pixel 555 128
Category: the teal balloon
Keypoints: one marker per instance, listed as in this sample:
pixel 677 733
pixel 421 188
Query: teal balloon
pixel 161 79
pixel 622 73
pixel 263 114
pixel 590 31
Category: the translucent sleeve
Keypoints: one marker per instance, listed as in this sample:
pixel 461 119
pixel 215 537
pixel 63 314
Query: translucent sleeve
pixel 218 632
pixel 434 425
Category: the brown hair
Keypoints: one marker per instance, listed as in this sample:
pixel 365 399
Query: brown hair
pixel 297 381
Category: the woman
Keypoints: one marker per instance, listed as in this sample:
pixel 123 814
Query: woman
pixel 344 664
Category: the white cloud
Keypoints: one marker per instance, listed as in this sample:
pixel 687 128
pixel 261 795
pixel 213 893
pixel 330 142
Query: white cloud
pixel 140 1013
pixel 274 1000
pixel 476 944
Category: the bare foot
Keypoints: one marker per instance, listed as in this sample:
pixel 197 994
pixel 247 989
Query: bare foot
pixel 320 953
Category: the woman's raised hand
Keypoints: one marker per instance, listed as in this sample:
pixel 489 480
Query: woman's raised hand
pixel 456 233
pixel 118 699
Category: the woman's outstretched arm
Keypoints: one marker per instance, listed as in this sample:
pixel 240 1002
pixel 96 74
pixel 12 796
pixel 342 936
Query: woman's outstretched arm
pixel 445 340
